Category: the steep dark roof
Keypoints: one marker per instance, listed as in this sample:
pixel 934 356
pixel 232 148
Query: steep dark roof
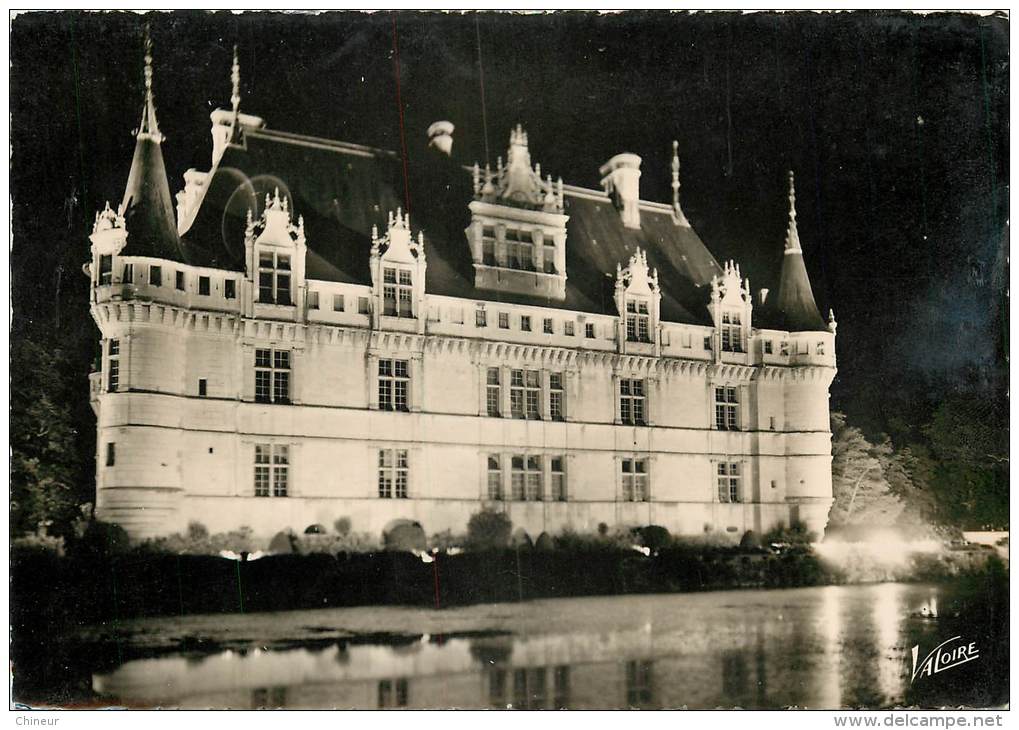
pixel 342 190
pixel 148 212
pixel 794 304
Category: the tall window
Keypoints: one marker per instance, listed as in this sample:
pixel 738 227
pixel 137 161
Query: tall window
pixel 397 292
pixel 272 376
pixel 493 395
pixel 392 693
pixel 589 330
pixel 557 489
pixel 230 289
pixel 526 478
pixel 525 394
pixel 488 249
pixel 274 277
pixel 313 300
pixel 634 480
pixel 112 365
pixel 156 275
pixel 111 453
pixel 480 318
pixel 519 250
pixel 555 396
pixel 726 408
pixel 181 286
pixel 639 683
pixel 272 462
pixel 394 385
pixel 732 332
pixel 525 323
pixel 767 347
pixel 632 401
pixel 495 477
pixel 548 258
pixel 128 276
pixel 568 328
pixel 547 326
pixel 729 482
pixel 504 320
pixel 638 321
pixel 105 269
pixel 393 472
pixel 203 285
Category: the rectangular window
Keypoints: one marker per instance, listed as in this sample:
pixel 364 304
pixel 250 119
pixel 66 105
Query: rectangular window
pixel 111 453
pixel 494 477
pixel 272 376
pixel 525 394
pixel 568 328
pixel 561 698
pixel 337 302
pixel 394 385
pixel 181 284
pixel 638 321
pixel 632 402
pixel 555 397
pixel 525 323
pixel 589 330
pixel 726 408
pixel 274 277
pixel 557 489
pixel 488 251
pixel 639 684
pixel 480 318
pixel 820 348
pixel 504 320
pixel 156 275
pixel 203 387
pixel 230 289
pixel 203 285
pixel 526 478
pixel 112 365
pixel 707 342
pixel 728 482
pixel 767 347
pixel 272 463
pixel 784 349
pixel 313 300
pixel 635 485
pixel 548 259
pixel 547 326
pixel 362 305
pixel 128 277
pixel 397 292
pixel 493 395
pixel 393 471
pixel 105 269
pixel 732 332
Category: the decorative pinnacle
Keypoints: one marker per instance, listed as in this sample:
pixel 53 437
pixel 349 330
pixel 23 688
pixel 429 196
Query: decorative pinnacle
pixel 792 197
pixel 792 239
pixel 235 80
pixel 149 127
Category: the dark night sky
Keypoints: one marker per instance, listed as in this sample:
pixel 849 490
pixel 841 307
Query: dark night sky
pixel 895 124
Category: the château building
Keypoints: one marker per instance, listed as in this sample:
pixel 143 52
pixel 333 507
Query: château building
pixel 288 346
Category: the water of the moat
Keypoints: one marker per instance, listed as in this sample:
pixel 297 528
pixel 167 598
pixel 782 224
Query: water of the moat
pixel 825 647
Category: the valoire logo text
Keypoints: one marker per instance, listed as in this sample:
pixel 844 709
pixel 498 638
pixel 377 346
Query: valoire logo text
pixel 943 657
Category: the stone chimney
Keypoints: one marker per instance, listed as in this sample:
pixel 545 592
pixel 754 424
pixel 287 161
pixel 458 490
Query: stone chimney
pixel 440 136
pixel 621 180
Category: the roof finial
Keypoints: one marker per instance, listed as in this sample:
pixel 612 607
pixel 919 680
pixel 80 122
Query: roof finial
pixel 149 127
pixel 235 80
pixel 792 238
pixel 675 172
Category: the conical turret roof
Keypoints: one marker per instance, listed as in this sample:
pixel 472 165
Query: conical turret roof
pixel 147 205
pixel 795 301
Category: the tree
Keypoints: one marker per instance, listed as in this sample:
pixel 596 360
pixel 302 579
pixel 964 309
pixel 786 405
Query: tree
pixel 488 530
pixel 49 481
pixel 861 490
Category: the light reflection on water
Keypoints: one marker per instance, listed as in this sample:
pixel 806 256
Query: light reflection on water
pixel 815 647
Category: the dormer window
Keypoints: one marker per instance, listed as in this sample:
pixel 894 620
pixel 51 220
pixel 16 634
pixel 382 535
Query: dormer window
pixel 519 250
pixel 732 332
pixel 273 277
pixel 397 292
pixel 638 321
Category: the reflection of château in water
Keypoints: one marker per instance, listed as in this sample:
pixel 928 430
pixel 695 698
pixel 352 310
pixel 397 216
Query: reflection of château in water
pixel 829 647
pixel 290 348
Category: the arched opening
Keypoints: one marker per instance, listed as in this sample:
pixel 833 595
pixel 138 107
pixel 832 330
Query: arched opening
pixel 314 530
pixel 404 536
pixel 521 539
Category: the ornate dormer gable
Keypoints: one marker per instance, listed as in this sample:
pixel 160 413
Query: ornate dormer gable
pixel 731 308
pixel 517 233
pixel 275 250
pixel 398 265
pixel 638 301
pixel 109 236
